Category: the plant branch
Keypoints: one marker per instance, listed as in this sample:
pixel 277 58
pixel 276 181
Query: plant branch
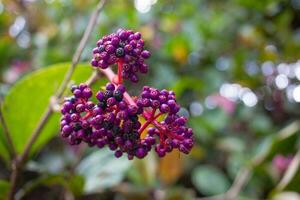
pixel 239 182
pixel 67 78
pixel 93 78
pixel 12 150
pixel 111 77
pixel 245 172
pixel 47 114
pixel 290 173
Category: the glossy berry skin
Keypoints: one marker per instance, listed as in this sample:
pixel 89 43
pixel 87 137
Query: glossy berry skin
pixel 171 130
pixel 110 122
pixel 125 48
pixel 114 123
pixel 74 127
pixel 113 120
pixel 120 124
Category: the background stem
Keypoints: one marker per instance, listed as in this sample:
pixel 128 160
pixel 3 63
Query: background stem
pixel 19 161
pixel 12 150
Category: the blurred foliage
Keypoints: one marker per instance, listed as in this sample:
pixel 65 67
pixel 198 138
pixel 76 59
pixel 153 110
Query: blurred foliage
pixel 233 65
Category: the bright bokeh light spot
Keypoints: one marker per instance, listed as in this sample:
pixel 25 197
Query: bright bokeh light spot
pixel 267 68
pixel 283 68
pixel 144 6
pixel 296 93
pixel 249 99
pixel 243 91
pixel 230 91
pixel 210 102
pixel 24 39
pixel 251 67
pixel 281 81
pixel 196 108
pixel 17 26
pixel 297 70
pixel 289 92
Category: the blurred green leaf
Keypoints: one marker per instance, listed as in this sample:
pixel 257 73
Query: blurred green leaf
pixel 53 162
pixel 4 153
pixel 231 144
pixel 26 101
pixel 102 170
pixel 261 124
pixel 187 83
pixel 73 183
pixel 208 124
pixel 209 180
pixel 4 188
pixel 263 147
pixel 234 163
pixel 143 171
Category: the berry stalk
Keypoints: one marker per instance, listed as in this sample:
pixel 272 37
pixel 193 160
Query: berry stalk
pixel 120 69
pixel 113 120
pixel 111 77
pixel 148 122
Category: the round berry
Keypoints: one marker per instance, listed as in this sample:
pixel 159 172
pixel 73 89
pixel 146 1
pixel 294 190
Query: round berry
pixel 119 52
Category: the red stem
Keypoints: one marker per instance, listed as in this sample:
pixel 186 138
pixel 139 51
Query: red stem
pixel 120 69
pixel 87 115
pixel 145 125
pixel 110 75
pixel 157 116
pixel 173 135
pixel 148 122
pixel 169 134
pixel 161 137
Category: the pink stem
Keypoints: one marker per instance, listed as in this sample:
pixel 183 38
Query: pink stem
pixel 148 122
pixel 120 68
pixel 157 116
pixel 111 75
pixel 87 115
pixel 169 134
pixel 145 125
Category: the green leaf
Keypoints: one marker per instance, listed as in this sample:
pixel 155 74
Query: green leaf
pixel 186 83
pixel 143 171
pixel 27 100
pixel 70 182
pixel 4 188
pixel 231 144
pixel 209 180
pixel 261 124
pixel 4 152
pixel 102 170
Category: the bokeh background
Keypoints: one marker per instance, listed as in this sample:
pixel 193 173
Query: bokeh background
pixel 233 65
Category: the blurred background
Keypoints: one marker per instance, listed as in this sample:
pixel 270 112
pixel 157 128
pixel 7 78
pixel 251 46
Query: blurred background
pixel 235 70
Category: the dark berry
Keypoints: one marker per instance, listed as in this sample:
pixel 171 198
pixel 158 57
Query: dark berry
pixel 118 95
pixel 119 52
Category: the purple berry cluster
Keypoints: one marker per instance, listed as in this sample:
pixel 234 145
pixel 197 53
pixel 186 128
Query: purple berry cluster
pixel 120 130
pixel 74 126
pixel 125 48
pixel 114 121
pixel 111 122
pixel 171 131
pixel 163 100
